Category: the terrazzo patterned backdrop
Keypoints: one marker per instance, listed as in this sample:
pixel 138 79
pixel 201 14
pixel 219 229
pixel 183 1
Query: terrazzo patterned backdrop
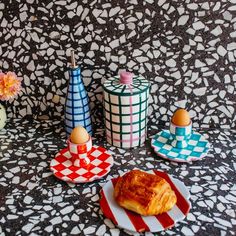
pixel 187 50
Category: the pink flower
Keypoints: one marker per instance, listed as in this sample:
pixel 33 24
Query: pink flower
pixel 10 86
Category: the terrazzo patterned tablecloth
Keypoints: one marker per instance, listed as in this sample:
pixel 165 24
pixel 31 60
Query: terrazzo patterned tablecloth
pixel 34 202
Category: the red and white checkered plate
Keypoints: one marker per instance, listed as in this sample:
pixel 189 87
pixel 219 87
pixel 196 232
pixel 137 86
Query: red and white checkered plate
pixel 134 222
pixel 100 164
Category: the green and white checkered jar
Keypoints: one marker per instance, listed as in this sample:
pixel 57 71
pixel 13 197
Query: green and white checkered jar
pixel 125 107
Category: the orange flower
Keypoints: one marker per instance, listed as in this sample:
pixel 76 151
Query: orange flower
pixel 10 86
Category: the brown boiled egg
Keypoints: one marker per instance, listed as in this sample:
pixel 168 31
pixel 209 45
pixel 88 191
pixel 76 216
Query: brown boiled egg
pixel 79 135
pixel 181 118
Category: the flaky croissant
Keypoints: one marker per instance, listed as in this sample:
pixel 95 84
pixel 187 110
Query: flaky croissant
pixel 143 193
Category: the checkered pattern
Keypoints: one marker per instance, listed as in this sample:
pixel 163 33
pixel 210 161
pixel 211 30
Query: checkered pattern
pixel 197 147
pixel 64 169
pixel 180 135
pixel 80 152
pixel 125 111
pixel 77 104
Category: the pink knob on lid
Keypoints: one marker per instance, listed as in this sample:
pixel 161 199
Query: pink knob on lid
pixel 126 77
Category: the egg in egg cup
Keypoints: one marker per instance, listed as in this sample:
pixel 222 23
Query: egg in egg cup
pixel 180 143
pixel 180 128
pixel 81 161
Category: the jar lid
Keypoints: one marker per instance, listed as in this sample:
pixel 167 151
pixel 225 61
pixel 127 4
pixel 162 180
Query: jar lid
pixel 125 84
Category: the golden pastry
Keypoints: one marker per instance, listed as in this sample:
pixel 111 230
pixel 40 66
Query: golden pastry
pixel 143 193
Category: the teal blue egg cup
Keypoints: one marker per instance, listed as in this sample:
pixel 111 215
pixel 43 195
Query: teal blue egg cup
pixel 180 135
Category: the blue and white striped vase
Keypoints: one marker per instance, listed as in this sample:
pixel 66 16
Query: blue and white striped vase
pixel 77 103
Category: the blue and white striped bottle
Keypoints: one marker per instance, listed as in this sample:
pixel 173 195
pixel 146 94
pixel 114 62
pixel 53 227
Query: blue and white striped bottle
pixel 77 102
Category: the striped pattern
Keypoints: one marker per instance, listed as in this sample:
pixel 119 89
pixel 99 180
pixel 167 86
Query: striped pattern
pixel 77 104
pixel 100 164
pixel 125 111
pixel 134 222
pixel 197 147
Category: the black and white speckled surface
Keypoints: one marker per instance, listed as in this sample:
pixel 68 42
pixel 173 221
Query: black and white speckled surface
pixel 34 202
pixel 186 49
